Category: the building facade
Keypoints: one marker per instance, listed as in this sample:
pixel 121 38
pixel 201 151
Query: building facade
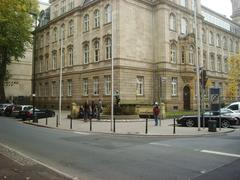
pixel 151 43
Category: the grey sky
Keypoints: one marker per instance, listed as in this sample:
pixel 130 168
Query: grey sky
pixel 223 7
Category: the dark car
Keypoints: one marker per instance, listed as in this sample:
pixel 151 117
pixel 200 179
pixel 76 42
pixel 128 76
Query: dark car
pixel 3 107
pixel 8 110
pixel 18 108
pixel 191 121
pixel 40 113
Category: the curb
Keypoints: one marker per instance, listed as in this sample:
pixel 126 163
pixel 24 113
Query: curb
pixel 135 134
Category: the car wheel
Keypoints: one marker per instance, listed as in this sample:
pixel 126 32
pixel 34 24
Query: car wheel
pixel 189 123
pixel 225 124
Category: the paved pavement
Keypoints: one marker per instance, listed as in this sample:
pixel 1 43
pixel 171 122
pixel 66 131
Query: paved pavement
pixel 129 127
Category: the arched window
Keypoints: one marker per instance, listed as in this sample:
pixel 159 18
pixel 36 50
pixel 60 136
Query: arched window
pixel 191 55
pixel 108 14
pixel 70 56
pixel 211 38
pixel 62 32
pixel 96 18
pixel 173 51
pixel 108 47
pixel 183 3
pixel 172 22
pixel 218 40
pixel 86 54
pixel 86 23
pixel 225 44
pixel 96 51
pixel 70 28
pixel 231 45
pixel 212 60
pixel 184 26
pixel 204 37
pixel 219 63
pixel 55 34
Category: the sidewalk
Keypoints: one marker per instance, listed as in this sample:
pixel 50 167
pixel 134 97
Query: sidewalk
pixel 126 127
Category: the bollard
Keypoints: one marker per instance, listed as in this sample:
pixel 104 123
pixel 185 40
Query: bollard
pixel 46 119
pixel 71 122
pixel 146 131
pixel 174 126
pixel 114 125
pixel 57 121
pixel 90 124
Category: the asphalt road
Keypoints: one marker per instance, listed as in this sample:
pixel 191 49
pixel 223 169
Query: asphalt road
pixel 122 157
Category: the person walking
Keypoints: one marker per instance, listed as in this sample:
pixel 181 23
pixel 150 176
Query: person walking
pixel 156 112
pixel 99 109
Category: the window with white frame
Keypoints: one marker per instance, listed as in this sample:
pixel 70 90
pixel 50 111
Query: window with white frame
pixel 55 34
pixel 62 32
pixel 70 56
pixel 204 37
pixel 191 55
pixel 107 85
pixel 86 23
pixel 46 90
pixel 225 43
pixel 69 87
pixel 54 60
pixel 96 51
pixel 218 40
pixel 174 86
pixel 63 57
pixel 211 38
pixel 212 60
pixel 54 88
pixel 63 6
pixel 86 54
pixel 219 63
pixel 70 4
pixel 85 87
pixel 172 22
pixel 95 86
pixel 108 13
pixel 184 26
pixel 140 85
pixel 193 5
pixel 173 53
pixel 70 28
pixel 96 18
pixel 108 48
pixel 183 3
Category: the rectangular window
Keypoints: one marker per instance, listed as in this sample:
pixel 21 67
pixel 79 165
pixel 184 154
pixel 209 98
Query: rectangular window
pixel 140 85
pixel 54 60
pixel 107 85
pixel 69 87
pixel 46 90
pixel 174 86
pixel 54 89
pixel 95 86
pixel 85 87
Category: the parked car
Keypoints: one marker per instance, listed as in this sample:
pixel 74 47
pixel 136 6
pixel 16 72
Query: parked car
pixel 231 113
pixel 3 107
pixel 234 107
pixel 191 121
pixel 8 110
pixel 18 108
pixel 40 113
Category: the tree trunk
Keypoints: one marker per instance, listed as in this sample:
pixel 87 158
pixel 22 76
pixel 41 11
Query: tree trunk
pixel 3 70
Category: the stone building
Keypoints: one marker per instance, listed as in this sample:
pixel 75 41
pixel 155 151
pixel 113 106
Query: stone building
pixel 152 43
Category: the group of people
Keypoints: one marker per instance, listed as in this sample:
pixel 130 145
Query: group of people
pixel 90 111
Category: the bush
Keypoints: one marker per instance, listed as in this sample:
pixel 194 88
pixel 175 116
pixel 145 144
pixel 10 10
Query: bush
pixel 124 109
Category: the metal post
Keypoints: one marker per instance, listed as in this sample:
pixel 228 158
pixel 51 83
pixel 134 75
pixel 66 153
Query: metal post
pixel 114 125
pixel 46 120
pixel 146 130
pixel 71 122
pixel 90 124
pixel 174 126
pixel 60 78
pixel 57 121
pixel 219 107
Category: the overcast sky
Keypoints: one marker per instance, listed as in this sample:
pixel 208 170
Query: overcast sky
pixel 223 7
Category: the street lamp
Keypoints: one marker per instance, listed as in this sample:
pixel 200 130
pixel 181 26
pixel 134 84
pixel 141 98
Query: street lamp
pixel 34 65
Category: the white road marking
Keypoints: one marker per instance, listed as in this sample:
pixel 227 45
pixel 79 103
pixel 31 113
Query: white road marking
pixel 82 133
pixel 221 153
pixel 39 162
pixel 160 144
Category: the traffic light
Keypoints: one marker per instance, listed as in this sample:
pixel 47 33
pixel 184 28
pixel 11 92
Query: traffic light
pixel 203 78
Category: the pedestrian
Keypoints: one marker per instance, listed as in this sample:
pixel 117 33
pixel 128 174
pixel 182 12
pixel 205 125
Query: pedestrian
pixel 99 109
pixel 93 108
pixel 156 112
pixel 86 111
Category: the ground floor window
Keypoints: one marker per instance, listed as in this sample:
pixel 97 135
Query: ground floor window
pixel 174 86
pixel 140 85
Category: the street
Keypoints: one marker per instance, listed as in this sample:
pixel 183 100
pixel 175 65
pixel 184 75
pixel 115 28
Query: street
pixel 88 156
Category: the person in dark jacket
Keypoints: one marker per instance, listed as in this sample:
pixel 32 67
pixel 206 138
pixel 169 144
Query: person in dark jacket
pixel 86 108
pixel 156 112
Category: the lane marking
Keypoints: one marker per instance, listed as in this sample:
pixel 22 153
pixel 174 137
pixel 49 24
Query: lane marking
pixel 160 144
pixel 41 163
pixel 82 133
pixel 220 153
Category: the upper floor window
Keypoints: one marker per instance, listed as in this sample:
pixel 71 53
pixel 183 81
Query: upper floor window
pixel 226 64
pixel 96 18
pixel 70 4
pixel 85 87
pixel 218 40
pixel 231 45
pixel 55 34
pixel 193 5
pixel 108 14
pixel 173 51
pixel 212 60
pixel 140 85
pixel 211 38
pixel 108 48
pixel 54 60
pixel 204 37
pixel 62 32
pixel 86 23
pixel 172 22
pixel 184 26
pixel 63 6
pixel 183 3
pixel 205 59
pixel 70 56
pixel 96 51
pixel 191 55
pixel 86 54
pixel 70 28
pixel 183 55
pixel 225 44
pixel 219 63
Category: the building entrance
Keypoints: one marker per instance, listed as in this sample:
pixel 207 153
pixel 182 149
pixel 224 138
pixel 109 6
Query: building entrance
pixel 186 98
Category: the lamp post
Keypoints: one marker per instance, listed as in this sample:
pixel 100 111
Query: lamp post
pixel 34 65
pixel 112 74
